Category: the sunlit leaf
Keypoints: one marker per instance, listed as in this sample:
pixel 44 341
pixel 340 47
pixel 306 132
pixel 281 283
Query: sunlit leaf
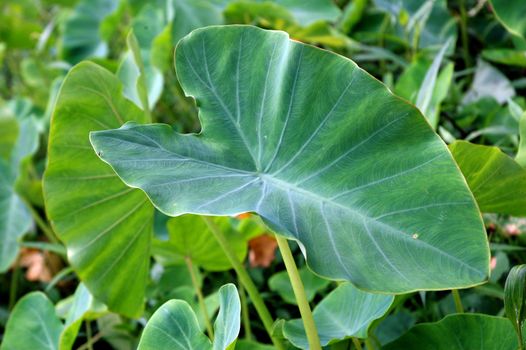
pixel 105 225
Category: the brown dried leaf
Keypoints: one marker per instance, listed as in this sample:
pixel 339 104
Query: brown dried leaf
pixel 262 250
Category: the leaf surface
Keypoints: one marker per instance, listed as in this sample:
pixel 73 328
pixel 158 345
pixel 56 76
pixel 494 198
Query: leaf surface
pixel 323 152
pixel 459 332
pixel 105 225
pixel 345 312
pixel 190 236
pixel 33 324
pixel 497 180
pixel 228 321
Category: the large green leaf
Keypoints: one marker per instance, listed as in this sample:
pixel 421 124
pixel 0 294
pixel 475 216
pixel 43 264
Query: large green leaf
pixel 174 325
pixel 459 332
pixel 321 150
pixel 191 237
pixel 32 325
pixel 345 312
pixel 511 15
pixel 497 181
pixel 105 225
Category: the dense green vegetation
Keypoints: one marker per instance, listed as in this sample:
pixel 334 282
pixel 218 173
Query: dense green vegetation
pixel 278 174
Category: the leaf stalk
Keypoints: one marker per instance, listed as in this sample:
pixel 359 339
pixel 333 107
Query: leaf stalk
pixel 299 292
pixel 245 279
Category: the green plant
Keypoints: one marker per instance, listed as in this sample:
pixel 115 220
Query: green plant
pixel 154 153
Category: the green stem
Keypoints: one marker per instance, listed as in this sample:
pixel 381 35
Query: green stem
pixel 458 301
pixel 519 335
pixel 357 343
pixel 299 292
pixel 89 343
pixel 368 344
pixel 200 297
pixel 58 277
pixel 245 279
pixel 244 311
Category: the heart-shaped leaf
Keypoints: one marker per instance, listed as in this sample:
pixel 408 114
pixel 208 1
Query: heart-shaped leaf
pixel 33 324
pixel 105 225
pixel 174 325
pixel 345 312
pixel 497 180
pixel 459 332
pixel 321 150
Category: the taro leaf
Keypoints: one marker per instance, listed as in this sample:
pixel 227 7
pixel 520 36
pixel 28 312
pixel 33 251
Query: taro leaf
pixel 82 305
pixel 424 98
pixel 191 237
pixel 174 325
pixel 280 282
pixel 193 14
pixel 489 82
pixel 506 56
pixel 319 149
pixel 141 79
pixel 412 84
pixel 497 181
pixel 459 332
pixel 33 324
pixel 521 152
pixel 515 297
pixel 345 312
pixel 105 225
pixel 15 218
pixel 81 38
pixel 307 12
pixel 227 324
pixel 511 15
pixel 393 326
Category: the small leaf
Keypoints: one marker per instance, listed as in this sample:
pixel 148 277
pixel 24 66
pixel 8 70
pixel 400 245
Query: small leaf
pixel 489 82
pixel 345 312
pixel 227 324
pixel 459 332
pixel 32 325
pixel 511 15
pixel 83 303
pixel 496 180
pixel 173 327
pixel 515 297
